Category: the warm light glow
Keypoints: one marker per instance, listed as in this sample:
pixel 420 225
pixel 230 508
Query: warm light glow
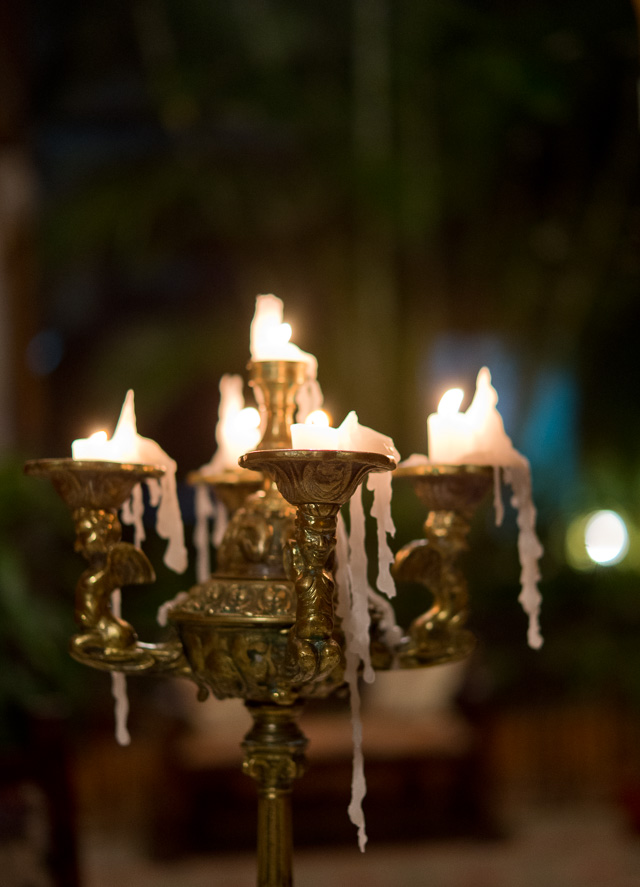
pixel 274 337
pixel 318 417
pixel 606 538
pixel 450 402
pixel 248 418
pixel 96 446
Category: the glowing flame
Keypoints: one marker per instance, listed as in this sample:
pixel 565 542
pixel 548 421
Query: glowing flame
pixel 248 418
pixel 450 402
pixel 318 417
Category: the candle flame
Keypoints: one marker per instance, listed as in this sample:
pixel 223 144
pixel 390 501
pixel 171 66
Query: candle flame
pixel 247 419
pixel 450 402
pixel 318 417
pixel 99 437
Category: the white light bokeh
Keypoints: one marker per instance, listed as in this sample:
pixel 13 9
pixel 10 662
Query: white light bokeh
pixel 606 538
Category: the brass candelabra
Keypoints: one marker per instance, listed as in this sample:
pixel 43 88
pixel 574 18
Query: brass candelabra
pixel 262 627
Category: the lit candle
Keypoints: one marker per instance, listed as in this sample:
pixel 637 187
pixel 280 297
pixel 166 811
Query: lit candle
pixel 127 445
pixel 315 433
pixel 450 433
pixel 237 432
pixel 238 428
pixel 356 597
pixel 269 340
pixel 478 437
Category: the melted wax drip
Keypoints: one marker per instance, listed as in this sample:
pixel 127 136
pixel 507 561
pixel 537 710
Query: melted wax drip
pixel 163 496
pixel 529 547
pixel 354 596
pixel 119 685
pixel 344 610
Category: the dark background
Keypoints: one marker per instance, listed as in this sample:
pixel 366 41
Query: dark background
pixel 429 187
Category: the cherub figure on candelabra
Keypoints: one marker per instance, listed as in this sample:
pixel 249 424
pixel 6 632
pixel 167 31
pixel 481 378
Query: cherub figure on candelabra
pixel 313 652
pixel 112 564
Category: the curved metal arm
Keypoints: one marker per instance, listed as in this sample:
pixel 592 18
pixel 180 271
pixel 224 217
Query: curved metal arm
pixel 451 493
pixel 94 491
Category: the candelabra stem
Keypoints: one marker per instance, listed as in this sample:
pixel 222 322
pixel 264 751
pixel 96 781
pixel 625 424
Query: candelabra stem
pixel 274 757
pixel 275 384
pixel 313 652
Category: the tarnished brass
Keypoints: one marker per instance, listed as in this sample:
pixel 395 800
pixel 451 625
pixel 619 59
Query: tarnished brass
pixel 94 491
pixel 231 486
pixel 275 384
pixel 262 627
pixel 274 757
pixel 451 493
pixel 317 482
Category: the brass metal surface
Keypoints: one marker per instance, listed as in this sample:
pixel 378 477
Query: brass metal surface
pixel 94 491
pixel 451 493
pixel 274 756
pixel 317 482
pixel 262 627
pixel 275 384
pixel 232 486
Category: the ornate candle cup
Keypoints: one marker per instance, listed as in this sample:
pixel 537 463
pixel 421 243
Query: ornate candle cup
pixel 451 493
pixel 94 492
pixel 318 483
pixel 275 384
pixel 232 486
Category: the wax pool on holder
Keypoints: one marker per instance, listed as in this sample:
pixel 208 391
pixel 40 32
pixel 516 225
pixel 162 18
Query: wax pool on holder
pixel 478 437
pixel 269 340
pixel 127 445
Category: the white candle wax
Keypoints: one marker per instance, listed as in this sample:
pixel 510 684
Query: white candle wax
pixel 315 433
pixel 238 428
pixel 269 336
pixel 314 437
pixel 237 432
pixel 487 443
pixel 127 445
pixel 361 439
pixel 270 341
pixel 96 446
pixel 450 433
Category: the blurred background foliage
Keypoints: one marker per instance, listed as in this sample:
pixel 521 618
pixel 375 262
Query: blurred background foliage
pixel 429 186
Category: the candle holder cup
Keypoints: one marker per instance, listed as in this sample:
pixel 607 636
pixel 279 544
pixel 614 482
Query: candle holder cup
pixel 318 483
pixel 94 492
pixel 451 493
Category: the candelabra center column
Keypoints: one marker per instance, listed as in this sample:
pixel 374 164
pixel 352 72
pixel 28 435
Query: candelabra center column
pixel 274 756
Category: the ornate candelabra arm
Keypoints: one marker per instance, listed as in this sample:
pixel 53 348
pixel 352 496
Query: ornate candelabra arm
pixel 452 494
pixel 94 491
pixel 313 652
pixel 274 756
pixel 317 482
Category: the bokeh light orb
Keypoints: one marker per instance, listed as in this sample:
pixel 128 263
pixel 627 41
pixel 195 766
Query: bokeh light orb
pixel 606 538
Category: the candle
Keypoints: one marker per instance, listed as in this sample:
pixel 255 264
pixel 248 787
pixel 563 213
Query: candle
pixel 356 598
pixel 238 428
pixel 127 445
pixel 478 437
pixel 270 340
pixel 450 432
pixel 315 433
pixel 237 432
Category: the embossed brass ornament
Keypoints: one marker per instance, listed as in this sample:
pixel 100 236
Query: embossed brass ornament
pixel 261 628
pixel 452 494
pixel 318 483
pixel 275 384
pixel 94 492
